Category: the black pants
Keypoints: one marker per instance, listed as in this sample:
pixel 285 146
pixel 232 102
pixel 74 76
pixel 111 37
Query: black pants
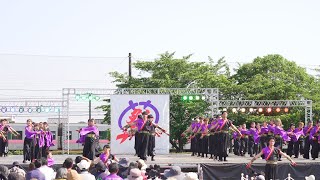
pixel 212 145
pixel 3 147
pixel 136 141
pixel 271 171
pixel 28 149
pixel 223 145
pixel 236 147
pixel 151 145
pixel 37 150
pixel 315 148
pixel 194 145
pixel 89 148
pixel 306 151
pixel 251 146
pixel 199 143
pixel 143 145
pixel 243 145
pixel 204 145
pixel 44 149
pixel 290 148
pixel 298 147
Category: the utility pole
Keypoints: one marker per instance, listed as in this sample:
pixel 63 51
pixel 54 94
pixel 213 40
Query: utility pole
pixel 129 65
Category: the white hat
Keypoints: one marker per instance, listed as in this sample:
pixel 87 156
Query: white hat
pixel 311 177
pixel 143 164
pixel 135 174
pixel 83 164
pixel 191 176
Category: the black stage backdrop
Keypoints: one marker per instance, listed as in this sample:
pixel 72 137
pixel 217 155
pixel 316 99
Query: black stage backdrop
pixel 233 171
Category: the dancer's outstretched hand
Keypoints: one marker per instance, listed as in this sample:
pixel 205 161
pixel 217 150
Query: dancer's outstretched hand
pixel 248 165
pixel 293 163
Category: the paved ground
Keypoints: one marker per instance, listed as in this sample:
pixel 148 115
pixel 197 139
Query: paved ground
pixel 171 159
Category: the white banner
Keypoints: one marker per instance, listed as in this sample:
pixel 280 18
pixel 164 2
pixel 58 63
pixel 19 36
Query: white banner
pixel 125 108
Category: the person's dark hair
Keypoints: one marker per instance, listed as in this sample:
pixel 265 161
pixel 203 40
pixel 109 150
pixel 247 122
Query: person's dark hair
pixel 44 161
pixel 139 116
pixel 31 166
pixel 4 170
pixel 90 120
pixel 223 112
pixel 270 138
pixel 106 146
pixel 113 168
pixel 38 163
pixel 68 163
pixel 78 159
pixel 15 176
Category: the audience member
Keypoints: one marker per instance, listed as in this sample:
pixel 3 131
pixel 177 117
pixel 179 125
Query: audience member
pixel 15 176
pixel 17 169
pixel 47 171
pixel 61 173
pixel 84 167
pixel 191 176
pixel 36 173
pixel 4 172
pixel 71 173
pixel 174 172
pixel 50 159
pixel 113 169
pixel 123 167
pixel 100 171
pixel 135 174
pixel 31 167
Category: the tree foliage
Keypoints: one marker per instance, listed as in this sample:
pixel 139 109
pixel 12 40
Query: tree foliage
pixel 271 77
pixel 170 72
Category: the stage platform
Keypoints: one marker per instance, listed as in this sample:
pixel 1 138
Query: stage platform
pixel 180 159
pixel 212 170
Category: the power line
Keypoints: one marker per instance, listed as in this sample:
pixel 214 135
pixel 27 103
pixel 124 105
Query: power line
pixel 55 56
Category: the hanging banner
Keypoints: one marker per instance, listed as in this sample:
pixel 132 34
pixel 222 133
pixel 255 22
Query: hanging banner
pixel 126 108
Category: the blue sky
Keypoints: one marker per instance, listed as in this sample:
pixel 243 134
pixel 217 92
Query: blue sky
pixel 98 35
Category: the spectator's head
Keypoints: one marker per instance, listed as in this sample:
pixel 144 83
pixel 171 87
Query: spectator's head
pixel 31 166
pixel 62 173
pixel 68 163
pixel 15 176
pixel 142 165
pixel 49 154
pixel 44 161
pixel 124 162
pixel 16 164
pixel 106 148
pixel 78 159
pixel 73 175
pixel 101 167
pixel 38 163
pixel 4 170
pixel 113 168
pixel 135 174
pixel 83 165
pixel 191 176
pixel 174 172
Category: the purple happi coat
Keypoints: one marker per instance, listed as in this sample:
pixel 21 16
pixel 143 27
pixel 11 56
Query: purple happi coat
pixel 84 131
pixel 314 132
pixel 279 131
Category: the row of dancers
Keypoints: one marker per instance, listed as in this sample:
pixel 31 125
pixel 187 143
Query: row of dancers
pixel 38 139
pixel 213 137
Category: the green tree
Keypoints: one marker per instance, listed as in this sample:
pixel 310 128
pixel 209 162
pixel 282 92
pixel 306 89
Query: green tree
pixel 170 72
pixel 273 77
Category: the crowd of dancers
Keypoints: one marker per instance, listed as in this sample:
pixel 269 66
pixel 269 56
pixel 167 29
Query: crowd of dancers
pixel 212 137
pixel 38 139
